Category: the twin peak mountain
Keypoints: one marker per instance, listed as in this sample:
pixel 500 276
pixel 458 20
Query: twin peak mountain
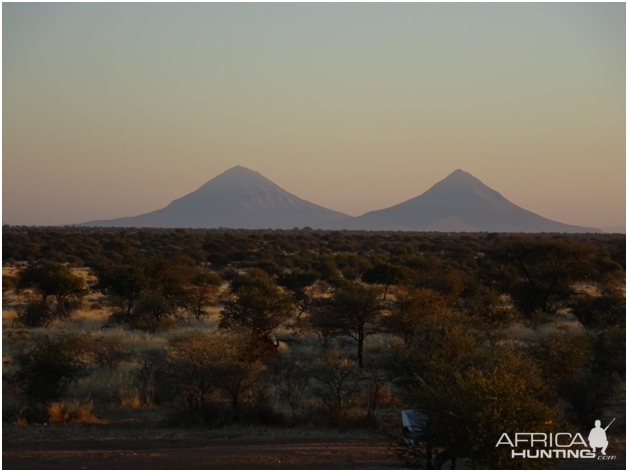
pixel 242 198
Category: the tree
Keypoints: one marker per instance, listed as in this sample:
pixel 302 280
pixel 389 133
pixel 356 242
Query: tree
pixel 548 269
pixel 191 367
pixel 410 308
pixel 328 270
pixel 45 369
pixel 322 321
pixel 487 310
pixel 337 383
pixel 202 292
pixel 53 281
pixel 386 275
pixel 122 285
pixel 442 347
pixel 148 293
pixel 8 285
pixel 257 306
pixel 301 286
pixel 583 368
pixel 466 415
pixel 607 310
pixel 291 376
pixel 355 310
pixel 237 378
pixel 297 282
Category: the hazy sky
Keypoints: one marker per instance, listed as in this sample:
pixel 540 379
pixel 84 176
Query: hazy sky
pixel 113 110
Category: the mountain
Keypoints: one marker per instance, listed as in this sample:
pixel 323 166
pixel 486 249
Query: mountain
pixel 237 198
pixel 242 198
pixel 614 229
pixel 460 202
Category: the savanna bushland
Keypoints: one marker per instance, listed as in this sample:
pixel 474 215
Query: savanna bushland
pixel 170 330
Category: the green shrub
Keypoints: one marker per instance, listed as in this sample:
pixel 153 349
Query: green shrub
pixel 44 370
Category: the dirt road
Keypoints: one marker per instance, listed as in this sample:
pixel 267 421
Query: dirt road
pixel 199 454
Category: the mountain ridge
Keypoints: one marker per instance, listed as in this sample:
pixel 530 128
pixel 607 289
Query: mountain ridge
pixel 459 202
pixel 237 198
pixel 243 198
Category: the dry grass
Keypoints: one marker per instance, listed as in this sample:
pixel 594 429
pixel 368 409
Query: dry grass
pixel 9 271
pixel 72 412
pixel 131 398
pixel 527 334
pixel 103 385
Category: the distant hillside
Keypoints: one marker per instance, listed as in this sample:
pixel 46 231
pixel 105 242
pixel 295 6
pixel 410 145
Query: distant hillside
pixel 460 202
pixel 614 229
pixel 237 198
pixel 242 198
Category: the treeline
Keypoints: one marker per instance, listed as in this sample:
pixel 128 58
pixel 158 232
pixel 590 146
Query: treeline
pixel 154 276
pixel 446 308
pixel 352 252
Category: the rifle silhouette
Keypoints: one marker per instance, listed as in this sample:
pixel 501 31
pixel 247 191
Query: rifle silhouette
pixel 609 424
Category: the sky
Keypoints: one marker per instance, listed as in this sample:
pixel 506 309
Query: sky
pixel 112 110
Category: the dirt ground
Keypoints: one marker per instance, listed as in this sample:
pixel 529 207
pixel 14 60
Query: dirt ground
pixel 255 453
pixel 177 452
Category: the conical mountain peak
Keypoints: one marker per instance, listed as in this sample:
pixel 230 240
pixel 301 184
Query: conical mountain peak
pixel 460 184
pixel 237 198
pixel 236 179
pixel 244 198
pixel 239 171
pixel 459 202
pixel 459 173
pixel 458 177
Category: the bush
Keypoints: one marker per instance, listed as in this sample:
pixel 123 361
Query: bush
pixel 44 370
pixel 588 394
pixel 466 414
pixel 35 315
pixel 609 348
pixel 109 353
pixel 290 377
pixel 188 371
pixel 338 382
pixel 601 312
pixel 151 313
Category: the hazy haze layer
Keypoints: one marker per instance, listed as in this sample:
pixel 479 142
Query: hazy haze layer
pixel 118 109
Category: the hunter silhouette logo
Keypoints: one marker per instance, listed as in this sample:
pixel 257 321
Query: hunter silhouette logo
pixel 597 437
pixel 558 445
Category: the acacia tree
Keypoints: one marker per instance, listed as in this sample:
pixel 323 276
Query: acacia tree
pixel 60 291
pixel 122 285
pixel 146 294
pixel 487 310
pixel 201 292
pixel 257 306
pixel 355 310
pixel 189 370
pixel 410 308
pixel 386 275
pixel 298 282
pixel 548 270
pixel 337 382
pixel 302 285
